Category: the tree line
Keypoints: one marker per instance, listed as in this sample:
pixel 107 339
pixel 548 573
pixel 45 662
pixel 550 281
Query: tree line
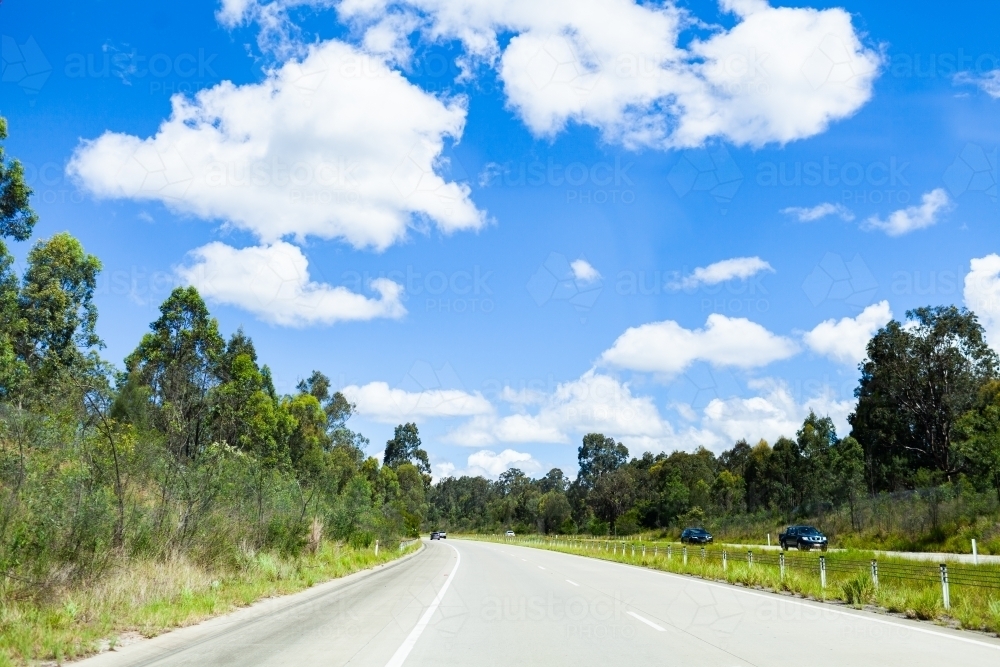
pixel 187 448
pixel 927 417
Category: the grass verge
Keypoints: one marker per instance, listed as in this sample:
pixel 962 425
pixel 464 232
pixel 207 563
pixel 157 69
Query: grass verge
pixel 974 608
pixel 151 597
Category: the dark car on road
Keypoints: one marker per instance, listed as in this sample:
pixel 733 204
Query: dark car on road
pixel 696 536
pixel 802 537
pixel 439 535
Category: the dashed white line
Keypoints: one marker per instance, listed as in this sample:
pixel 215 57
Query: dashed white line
pixel 645 620
pixel 540 567
pixel 570 581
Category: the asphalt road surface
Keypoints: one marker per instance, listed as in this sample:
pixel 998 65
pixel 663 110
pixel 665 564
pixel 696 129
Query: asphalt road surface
pixel 462 603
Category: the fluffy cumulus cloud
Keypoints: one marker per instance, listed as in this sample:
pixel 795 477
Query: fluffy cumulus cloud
pixel 595 402
pixel 273 283
pixel 779 74
pixel 490 464
pixel 982 295
pixel 772 413
pixel 737 268
pixel 584 272
pixel 818 212
pixel 392 405
pixel 667 347
pixel 335 145
pixel 905 220
pixel 846 340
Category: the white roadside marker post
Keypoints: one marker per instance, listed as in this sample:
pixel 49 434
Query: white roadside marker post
pixel 685 550
pixel 769 539
pixel 781 564
pixel 975 553
pixel 875 573
pixel 945 592
pixel 376 547
pixel 822 572
pixel 725 560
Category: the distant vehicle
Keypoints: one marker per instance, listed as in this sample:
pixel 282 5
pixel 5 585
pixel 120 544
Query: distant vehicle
pixel 803 538
pixel 439 535
pixel 509 533
pixel 696 536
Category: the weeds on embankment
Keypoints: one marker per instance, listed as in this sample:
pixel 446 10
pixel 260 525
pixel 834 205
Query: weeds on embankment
pixel 972 607
pixel 149 597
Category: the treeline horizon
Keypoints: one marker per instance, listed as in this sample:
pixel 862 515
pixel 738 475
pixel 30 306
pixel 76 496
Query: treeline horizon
pixel 927 417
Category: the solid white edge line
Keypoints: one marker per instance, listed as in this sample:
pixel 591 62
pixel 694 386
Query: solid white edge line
pixel 645 620
pixel 404 649
pixel 572 582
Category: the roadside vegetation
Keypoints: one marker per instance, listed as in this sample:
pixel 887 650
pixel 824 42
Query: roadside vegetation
pixel 174 486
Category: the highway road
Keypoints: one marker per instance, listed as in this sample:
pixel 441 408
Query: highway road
pixel 463 603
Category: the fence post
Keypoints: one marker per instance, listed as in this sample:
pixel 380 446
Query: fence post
pixel 875 573
pixel 633 551
pixel 781 564
pixel 945 593
pixel 975 553
pixel 822 571
pixel 725 560
pixel 685 550
pixel 614 550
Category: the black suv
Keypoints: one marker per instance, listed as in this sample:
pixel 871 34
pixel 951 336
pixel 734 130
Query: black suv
pixel 803 538
pixel 439 535
pixel 696 536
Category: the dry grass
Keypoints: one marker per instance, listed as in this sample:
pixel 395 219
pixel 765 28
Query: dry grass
pixel 150 597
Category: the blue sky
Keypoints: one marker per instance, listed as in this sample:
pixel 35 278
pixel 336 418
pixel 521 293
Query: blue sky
pixel 513 222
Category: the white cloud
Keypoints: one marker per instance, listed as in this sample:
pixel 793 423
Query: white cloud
pixel 273 283
pixel 335 146
pixel 819 212
pixel 912 218
pixel 584 272
pixel 779 74
pixel 988 82
pixel 773 413
pixel 391 405
pixel 592 403
pixel 667 347
pixel 846 341
pixel 487 463
pixel 982 295
pixel 737 268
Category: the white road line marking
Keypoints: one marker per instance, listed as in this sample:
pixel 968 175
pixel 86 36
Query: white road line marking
pixel 645 620
pixel 572 582
pixel 404 649
pixel 861 616
pixel 540 567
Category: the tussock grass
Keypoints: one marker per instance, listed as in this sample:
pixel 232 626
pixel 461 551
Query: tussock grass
pixel 149 597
